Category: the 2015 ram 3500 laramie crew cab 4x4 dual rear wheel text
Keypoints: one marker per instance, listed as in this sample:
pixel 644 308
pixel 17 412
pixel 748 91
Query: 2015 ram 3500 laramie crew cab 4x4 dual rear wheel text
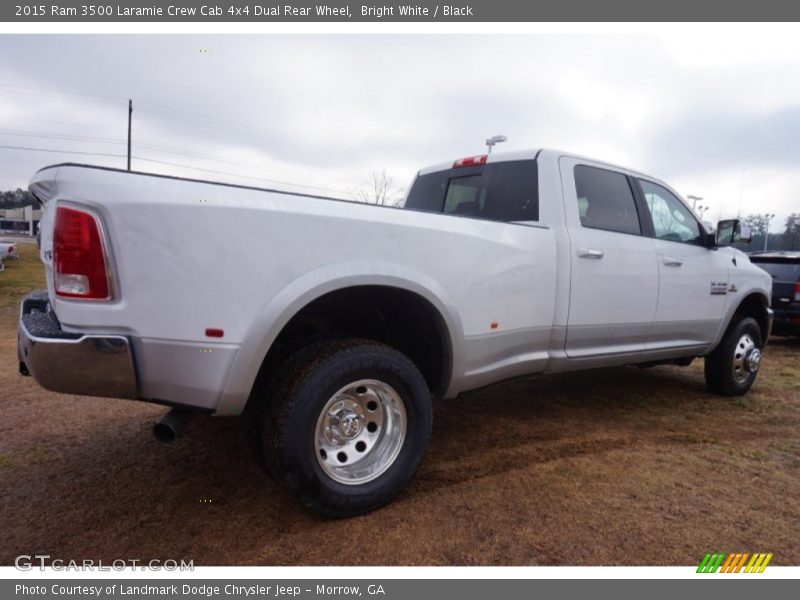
pixel 335 322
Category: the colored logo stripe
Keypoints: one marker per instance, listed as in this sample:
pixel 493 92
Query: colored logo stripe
pixel 711 562
pixel 735 562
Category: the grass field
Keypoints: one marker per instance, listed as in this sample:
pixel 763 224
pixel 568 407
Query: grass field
pixel 609 467
pixel 20 276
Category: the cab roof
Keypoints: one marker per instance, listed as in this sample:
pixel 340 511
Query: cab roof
pixel 532 154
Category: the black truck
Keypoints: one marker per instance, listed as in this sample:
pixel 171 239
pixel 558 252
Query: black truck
pixel 784 266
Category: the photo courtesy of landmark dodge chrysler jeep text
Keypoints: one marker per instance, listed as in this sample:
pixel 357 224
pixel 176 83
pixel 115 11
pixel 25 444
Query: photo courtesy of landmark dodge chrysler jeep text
pixel 334 323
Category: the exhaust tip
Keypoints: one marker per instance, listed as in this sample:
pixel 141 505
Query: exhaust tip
pixel 171 425
pixel 164 433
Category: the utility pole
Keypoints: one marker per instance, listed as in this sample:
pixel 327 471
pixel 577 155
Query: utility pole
pixel 130 116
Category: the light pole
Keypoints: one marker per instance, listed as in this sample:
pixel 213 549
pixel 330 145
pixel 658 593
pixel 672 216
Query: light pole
pixel 694 199
pixel 701 210
pixel 768 218
pixel 495 139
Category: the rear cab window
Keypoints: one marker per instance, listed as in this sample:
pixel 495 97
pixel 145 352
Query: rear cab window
pixel 503 191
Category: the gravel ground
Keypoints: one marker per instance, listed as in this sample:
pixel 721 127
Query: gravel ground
pixel 611 467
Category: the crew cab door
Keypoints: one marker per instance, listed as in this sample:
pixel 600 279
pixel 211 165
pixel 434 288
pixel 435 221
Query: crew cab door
pixel 614 270
pixel 693 279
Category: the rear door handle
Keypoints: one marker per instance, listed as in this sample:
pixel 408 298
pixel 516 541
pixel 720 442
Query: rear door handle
pixel 672 262
pixel 590 253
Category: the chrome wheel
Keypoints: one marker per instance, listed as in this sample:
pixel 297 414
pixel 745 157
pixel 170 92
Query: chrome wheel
pixel 746 358
pixel 360 431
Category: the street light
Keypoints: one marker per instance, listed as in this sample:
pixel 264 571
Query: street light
pixel 695 200
pixel 701 210
pixel 495 139
pixel 769 218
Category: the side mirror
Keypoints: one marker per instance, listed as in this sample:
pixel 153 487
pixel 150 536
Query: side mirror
pixel 732 231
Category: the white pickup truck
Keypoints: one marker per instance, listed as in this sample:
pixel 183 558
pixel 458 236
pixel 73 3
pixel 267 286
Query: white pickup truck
pixel 334 323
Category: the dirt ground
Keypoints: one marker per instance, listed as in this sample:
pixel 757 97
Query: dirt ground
pixel 612 467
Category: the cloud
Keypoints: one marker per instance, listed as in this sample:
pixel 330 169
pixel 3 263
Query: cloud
pixel 325 111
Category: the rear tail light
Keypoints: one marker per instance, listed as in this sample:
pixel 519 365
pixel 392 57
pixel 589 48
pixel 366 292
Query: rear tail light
pixel 470 161
pixel 80 269
pixel 797 292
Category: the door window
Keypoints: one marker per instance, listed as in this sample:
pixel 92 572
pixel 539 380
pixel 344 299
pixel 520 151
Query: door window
pixel 605 200
pixel 672 220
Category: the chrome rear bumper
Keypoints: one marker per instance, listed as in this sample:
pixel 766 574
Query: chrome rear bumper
pixel 72 363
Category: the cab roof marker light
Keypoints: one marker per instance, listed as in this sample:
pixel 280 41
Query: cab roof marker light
pixel 470 161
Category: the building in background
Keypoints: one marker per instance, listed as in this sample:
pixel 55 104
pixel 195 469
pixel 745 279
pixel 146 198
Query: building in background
pixel 22 220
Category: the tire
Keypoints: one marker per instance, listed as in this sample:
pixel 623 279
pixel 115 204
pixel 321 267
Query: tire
pixel 346 425
pixel 732 367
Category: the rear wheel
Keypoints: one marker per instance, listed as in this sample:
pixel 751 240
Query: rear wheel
pixel 347 424
pixel 732 367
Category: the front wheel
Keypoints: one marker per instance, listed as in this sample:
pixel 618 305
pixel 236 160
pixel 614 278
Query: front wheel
pixel 732 367
pixel 347 425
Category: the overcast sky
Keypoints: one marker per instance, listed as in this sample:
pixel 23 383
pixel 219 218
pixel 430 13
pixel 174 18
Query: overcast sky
pixel 716 116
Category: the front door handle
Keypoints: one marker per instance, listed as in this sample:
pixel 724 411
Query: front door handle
pixel 590 253
pixel 672 262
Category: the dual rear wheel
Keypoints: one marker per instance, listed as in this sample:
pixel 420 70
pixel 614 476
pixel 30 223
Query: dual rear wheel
pixel 347 425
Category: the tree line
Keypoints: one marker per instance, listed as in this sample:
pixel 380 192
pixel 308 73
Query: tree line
pixel 785 236
pixel 17 199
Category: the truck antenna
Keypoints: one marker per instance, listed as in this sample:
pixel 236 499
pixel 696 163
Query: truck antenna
pixel 130 116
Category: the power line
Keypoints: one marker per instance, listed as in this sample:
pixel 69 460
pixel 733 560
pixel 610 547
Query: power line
pixel 57 151
pixel 177 114
pixel 240 128
pixel 146 145
pixel 39 92
pixel 167 149
pixel 275 181
pixel 58 136
pixel 172 164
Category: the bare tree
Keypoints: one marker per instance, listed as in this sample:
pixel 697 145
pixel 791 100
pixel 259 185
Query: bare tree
pixel 379 189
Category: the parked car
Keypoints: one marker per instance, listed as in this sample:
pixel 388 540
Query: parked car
pixel 333 323
pixel 9 250
pixel 784 267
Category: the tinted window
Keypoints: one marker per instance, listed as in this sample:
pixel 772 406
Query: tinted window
pixel 672 221
pixel 782 269
pixel 504 191
pixel 605 200
pixel 466 195
pixel 427 192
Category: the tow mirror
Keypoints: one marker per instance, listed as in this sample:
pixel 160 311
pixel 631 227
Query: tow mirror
pixel 732 231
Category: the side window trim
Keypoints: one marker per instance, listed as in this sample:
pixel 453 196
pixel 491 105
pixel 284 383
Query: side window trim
pixel 645 218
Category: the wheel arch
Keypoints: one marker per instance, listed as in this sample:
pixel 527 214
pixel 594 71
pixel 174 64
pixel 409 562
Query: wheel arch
pixel 755 304
pixel 315 285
